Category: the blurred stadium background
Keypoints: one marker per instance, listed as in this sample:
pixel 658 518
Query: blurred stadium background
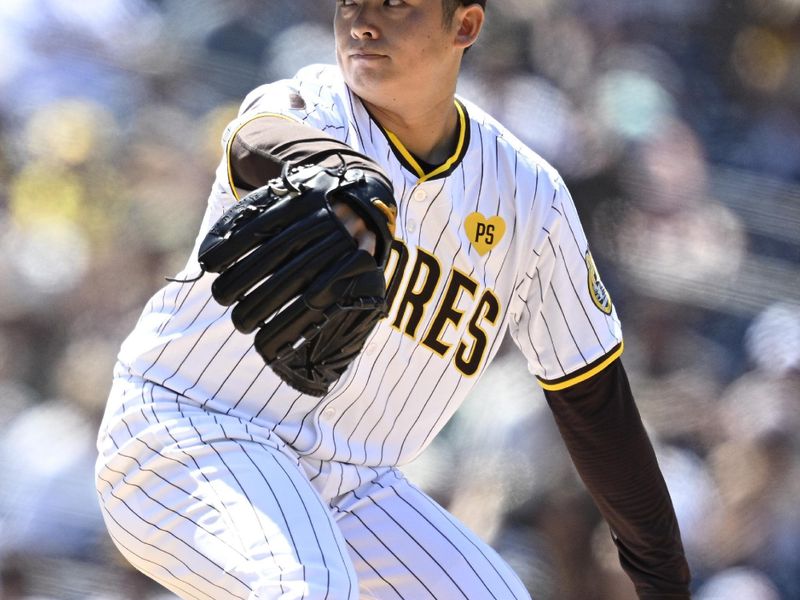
pixel 676 124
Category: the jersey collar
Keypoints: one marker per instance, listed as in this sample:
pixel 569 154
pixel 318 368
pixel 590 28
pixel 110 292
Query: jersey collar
pixel 412 164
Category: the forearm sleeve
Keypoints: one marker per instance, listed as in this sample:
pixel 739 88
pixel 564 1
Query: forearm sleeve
pixel 609 446
pixel 261 147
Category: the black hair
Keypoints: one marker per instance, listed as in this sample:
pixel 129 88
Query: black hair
pixel 451 5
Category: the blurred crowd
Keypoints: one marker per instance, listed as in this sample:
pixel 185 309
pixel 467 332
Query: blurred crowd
pixel 676 124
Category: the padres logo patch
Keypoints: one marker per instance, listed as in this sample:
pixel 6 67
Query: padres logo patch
pixel 598 292
pixel 484 234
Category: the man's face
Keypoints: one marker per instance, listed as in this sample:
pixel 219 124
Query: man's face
pixel 388 49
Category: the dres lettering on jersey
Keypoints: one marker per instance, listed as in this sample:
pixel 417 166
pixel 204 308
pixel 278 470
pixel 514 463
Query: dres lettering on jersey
pixel 459 297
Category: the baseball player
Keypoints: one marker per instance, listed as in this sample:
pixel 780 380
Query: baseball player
pixel 226 470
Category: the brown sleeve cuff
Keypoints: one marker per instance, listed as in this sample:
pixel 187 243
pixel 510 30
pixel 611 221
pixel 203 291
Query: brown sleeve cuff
pixel 260 148
pixel 604 434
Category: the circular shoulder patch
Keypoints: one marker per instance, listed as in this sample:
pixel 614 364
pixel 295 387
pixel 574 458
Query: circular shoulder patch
pixel 598 292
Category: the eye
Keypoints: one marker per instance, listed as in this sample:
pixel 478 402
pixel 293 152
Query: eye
pixel 345 2
pixel 394 3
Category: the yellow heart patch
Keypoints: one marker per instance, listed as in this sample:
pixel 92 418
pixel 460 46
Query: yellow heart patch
pixel 484 234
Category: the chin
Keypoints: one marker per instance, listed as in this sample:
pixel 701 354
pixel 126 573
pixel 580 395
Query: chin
pixel 370 86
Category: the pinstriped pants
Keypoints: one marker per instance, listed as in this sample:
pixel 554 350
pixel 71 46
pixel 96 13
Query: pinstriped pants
pixel 216 518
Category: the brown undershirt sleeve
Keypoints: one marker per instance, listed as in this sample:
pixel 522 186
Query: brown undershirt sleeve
pixel 261 147
pixel 609 446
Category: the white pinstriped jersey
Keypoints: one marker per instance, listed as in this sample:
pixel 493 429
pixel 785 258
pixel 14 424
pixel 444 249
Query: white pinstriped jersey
pixel 488 242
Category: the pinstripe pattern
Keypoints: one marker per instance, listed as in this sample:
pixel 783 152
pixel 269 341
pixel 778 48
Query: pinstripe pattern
pixel 202 442
pixel 220 508
pixel 417 537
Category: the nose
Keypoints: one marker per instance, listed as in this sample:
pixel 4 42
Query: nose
pixel 363 26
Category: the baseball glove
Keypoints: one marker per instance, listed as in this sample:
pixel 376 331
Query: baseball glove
pixel 297 276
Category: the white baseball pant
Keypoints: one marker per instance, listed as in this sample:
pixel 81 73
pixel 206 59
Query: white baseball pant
pixel 214 510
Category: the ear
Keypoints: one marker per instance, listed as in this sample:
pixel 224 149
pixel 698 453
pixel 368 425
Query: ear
pixel 469 20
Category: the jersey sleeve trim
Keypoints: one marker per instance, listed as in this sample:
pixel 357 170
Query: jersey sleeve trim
pixel 229 144
pixel 587 372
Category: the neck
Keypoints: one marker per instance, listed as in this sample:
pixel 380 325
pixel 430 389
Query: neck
pixel 429 132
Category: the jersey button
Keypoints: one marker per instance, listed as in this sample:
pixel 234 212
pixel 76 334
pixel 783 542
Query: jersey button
pixel 329 412
pixel 411 226
pixel 370 350
pixel 420 195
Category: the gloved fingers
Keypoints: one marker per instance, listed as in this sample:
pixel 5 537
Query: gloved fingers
pixel 225 241
pixel 235 281
pixel 307 347
pixel 259 215
pixel 337 282
pixel 290 280
pixel 297 324
pixel 344 336
pixel 304 327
